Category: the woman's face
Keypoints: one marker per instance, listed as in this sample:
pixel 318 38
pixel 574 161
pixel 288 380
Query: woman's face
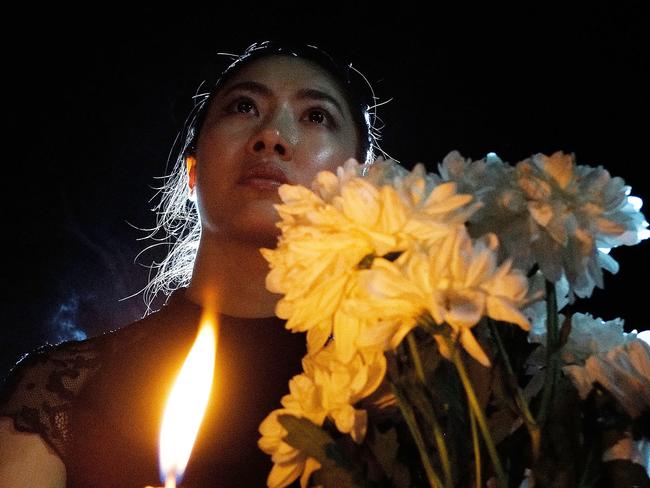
pixel 278 118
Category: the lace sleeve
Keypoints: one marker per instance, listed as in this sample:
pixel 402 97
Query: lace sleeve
pixel 40 390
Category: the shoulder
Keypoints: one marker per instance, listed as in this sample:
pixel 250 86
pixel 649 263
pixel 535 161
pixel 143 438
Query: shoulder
pixel 41 390
pixel 60 371
pixel 38 391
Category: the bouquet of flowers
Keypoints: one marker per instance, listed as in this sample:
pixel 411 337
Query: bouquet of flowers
pixel 441 350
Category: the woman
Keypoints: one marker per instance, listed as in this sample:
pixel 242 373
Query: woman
pixel 88 413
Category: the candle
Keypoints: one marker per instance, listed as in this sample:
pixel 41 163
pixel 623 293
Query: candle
pixel 187 402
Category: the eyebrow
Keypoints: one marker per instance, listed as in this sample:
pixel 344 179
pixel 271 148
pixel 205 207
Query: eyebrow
pixel 303 94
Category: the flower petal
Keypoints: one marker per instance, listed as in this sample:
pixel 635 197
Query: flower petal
pixel 282 475
pixel 471 345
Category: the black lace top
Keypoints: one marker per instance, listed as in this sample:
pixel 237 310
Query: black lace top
pixel 98 403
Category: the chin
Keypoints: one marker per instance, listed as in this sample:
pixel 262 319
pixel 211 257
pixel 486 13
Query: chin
pixel 260 234
pixel 251 223
pixel 262 240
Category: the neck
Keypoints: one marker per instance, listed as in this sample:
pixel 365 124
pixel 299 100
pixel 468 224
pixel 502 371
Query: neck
pixel 233 273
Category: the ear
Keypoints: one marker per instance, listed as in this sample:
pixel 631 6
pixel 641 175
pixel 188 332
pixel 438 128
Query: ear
pixel 190 163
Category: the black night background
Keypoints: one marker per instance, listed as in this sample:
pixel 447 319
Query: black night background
pixel 95 99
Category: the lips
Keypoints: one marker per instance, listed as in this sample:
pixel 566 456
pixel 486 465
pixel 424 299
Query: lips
pixel 264 174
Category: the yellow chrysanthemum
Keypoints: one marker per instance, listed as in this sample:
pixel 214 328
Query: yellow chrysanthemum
pixel 327 388
pixel 456 281
pixel 288 463
pixel 326 233
pixel 340 385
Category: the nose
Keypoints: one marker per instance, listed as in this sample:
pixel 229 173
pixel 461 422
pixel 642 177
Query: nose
pixel 270 141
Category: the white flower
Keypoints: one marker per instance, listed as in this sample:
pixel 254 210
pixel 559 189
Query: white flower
pixel 588 336
pixel 554 213
pixel 623 371
pixel 479 178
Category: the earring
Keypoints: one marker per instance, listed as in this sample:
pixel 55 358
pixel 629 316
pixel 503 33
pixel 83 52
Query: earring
pixel 190 162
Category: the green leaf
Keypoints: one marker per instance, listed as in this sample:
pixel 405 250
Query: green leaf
pixel 307 437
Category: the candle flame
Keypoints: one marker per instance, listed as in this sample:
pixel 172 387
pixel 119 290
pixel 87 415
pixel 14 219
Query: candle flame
pixel 187 403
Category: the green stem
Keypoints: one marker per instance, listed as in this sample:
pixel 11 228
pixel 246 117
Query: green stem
pixel 477 448
pixel 478 412
pixel 529 420
pixel 427 410
pixel 411 422
pixel 552 358
pixel 415 356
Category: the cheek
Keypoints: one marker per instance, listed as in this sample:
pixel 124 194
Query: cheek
pixel 323 155
pixel 217 154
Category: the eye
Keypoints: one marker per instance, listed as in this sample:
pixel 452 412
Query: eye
pixel 317 116
pixel 242 105
pixel 245 106
pixel 320 116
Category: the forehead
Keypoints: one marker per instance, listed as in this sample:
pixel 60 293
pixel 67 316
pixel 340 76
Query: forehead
pixel 287 72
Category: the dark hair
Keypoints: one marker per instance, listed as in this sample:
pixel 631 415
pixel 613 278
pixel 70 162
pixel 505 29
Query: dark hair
pixel 177 217
pixel 355 88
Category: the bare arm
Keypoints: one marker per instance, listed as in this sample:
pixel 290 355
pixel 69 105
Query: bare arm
pixel 27 461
